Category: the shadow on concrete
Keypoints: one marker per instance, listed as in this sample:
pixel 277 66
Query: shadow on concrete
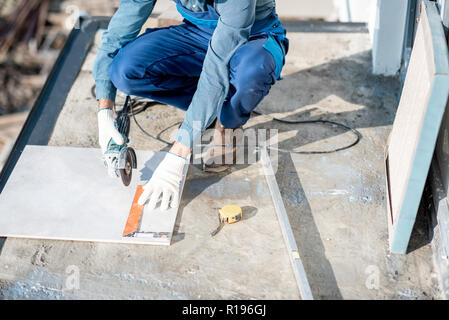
pixel 177 236
pixel 2 243
pixel 422 232
pixel 310 246
pixel 248 212
pixel 194 187
pixel 324 26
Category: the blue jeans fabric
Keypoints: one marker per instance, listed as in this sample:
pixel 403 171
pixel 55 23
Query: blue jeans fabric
pixel 164 64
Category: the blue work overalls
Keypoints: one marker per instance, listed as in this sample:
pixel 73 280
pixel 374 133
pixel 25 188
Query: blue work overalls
pixel 164 64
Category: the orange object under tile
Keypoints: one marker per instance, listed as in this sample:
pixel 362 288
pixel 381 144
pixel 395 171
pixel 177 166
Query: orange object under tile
pixel 135 214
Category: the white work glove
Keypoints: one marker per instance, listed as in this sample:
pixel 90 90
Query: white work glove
pixel 165 182
pixel 107 130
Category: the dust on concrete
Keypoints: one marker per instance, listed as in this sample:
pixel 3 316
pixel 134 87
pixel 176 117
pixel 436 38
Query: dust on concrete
pixel 40 256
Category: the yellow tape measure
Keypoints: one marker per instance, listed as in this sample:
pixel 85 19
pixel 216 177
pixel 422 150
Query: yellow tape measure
pixel 227 215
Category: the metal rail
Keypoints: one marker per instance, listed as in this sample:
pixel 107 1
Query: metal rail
pixel 284 222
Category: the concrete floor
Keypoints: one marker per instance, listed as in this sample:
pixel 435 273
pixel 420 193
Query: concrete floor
pixel 336 202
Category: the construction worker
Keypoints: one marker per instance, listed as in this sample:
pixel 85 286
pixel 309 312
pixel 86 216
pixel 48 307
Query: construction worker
pixel 219 64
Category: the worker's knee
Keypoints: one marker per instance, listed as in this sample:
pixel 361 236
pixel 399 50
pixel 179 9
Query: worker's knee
pixel 252 86
pixel 253 72
pixel 255 83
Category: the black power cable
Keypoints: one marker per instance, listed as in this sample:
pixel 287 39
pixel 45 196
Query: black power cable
pixel 356 133
pixel 132 107
pixel 123 122
pixel 136 107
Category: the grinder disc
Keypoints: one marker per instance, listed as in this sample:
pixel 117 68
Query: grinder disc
pixel 127 172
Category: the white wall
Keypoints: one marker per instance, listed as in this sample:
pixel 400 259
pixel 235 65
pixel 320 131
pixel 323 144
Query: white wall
pixel 329 10
pixel 306 9
pixel 388 36
pixel 355 10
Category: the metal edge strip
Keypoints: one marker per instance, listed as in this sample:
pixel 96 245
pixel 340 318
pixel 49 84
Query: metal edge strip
pixel 284 222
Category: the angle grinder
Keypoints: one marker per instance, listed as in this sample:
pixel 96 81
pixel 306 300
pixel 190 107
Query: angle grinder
pixel 120 160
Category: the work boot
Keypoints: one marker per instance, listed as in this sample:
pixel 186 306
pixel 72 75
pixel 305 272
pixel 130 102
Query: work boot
pixel 222 150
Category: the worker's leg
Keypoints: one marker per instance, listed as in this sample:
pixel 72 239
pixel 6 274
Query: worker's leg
pixel 163 64
pixel 252 73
